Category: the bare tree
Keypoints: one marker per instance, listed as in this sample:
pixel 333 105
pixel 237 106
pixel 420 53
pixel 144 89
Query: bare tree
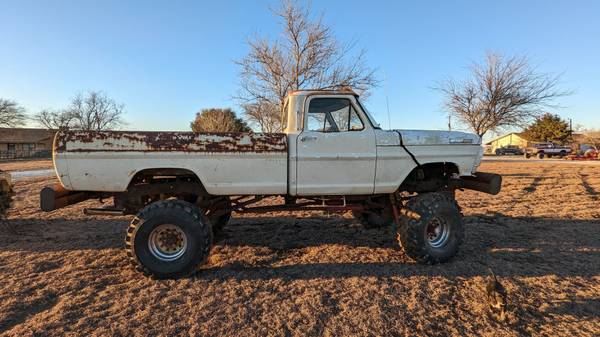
pixel 53 119
pixel 95 111
pixel 11 114
pixel 218 120
pixel 501 92
pixel 265 115
pixel 592 137
pixel 307 56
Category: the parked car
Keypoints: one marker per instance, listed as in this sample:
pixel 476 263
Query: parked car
pixel 332 156
pixel 509 149
pixel 542 150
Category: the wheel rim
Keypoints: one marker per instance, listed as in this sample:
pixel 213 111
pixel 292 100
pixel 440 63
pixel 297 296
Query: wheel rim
pixel 167 242
pixel 437 232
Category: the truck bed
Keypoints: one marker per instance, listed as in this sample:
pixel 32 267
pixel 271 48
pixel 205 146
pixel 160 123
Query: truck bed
pixel 226 163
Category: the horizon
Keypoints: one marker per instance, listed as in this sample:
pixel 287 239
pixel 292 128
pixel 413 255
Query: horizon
pixel 170 61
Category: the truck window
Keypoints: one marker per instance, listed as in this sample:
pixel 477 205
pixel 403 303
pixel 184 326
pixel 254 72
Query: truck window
pixel 333 115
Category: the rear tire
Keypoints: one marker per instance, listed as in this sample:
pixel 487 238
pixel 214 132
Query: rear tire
pixel 540 155
pixel 431 228
pixel 169 239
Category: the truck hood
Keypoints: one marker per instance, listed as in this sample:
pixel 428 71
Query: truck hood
pixel 430 137
pixel 425 137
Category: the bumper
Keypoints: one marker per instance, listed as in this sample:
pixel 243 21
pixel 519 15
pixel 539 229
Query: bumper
pixel 55 197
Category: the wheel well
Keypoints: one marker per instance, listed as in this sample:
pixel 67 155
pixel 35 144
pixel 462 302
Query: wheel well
pixel 429 177
pixel 154 184
pixel 162 173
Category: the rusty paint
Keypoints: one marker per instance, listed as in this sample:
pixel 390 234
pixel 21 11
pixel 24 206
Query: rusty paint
pixel 121 141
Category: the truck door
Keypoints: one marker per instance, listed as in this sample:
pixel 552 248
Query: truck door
pixel 336 151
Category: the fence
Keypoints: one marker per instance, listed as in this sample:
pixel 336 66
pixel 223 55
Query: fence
pixel 25 154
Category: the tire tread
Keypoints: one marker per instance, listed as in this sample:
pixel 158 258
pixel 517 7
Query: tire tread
pixel 160 206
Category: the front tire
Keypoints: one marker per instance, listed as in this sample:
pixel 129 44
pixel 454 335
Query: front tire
pixel 169 239
pixel 431 228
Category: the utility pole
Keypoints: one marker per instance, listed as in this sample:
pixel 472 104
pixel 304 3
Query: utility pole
pixel 449 124
pixel 571 129
pixel 570 125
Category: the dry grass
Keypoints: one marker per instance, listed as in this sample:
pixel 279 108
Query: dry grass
pixel 66 274
pixel 23 165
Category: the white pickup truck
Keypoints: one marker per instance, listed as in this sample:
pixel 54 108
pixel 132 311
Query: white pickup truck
pixel 546 149
pixel 331 156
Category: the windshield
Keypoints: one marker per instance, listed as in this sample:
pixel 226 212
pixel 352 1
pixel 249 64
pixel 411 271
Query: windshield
pixel 373 121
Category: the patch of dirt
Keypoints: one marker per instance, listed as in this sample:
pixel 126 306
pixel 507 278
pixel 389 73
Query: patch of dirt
pixel 25 165
pixel 297 274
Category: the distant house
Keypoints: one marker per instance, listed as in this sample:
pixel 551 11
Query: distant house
pixel 513 138
pixel 25 143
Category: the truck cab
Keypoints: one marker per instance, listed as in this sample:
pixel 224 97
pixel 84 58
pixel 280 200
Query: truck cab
pixel 336 147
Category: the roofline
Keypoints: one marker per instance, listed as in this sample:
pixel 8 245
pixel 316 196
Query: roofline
pixel 42 129
pixel 347 91
pixel 508 134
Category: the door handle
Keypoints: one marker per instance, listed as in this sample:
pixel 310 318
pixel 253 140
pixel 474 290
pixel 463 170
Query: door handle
pixel 307 138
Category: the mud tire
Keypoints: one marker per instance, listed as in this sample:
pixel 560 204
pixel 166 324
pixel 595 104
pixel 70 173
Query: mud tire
pixel 415 219
pixel 189 219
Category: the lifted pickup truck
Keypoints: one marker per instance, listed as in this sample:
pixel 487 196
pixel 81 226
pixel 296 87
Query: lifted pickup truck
pixel 332 156
pixel 542 150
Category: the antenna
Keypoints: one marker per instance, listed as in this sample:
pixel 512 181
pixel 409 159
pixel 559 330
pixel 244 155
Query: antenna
pixel 387 101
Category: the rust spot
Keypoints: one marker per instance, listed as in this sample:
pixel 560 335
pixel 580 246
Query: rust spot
pixel 120 141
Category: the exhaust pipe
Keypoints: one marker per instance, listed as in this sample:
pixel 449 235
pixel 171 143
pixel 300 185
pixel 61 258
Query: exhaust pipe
pixel 489 183
pixel 55 197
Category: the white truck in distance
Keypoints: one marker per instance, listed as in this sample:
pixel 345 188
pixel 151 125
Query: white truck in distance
pixel 547 149
pixel 332 156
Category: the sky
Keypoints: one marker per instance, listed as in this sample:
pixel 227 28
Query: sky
pixel 166 60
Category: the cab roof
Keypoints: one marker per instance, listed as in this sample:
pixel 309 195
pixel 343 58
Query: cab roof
pixel 343 91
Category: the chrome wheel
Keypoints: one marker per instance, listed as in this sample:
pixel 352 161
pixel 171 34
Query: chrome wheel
pixel 167 242
pixel 437 232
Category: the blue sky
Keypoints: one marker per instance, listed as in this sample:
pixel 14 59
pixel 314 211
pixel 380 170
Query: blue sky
pixel 165 60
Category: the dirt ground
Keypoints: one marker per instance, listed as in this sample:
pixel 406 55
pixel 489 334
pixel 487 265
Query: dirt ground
pixel 289 275
pixel 26 165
